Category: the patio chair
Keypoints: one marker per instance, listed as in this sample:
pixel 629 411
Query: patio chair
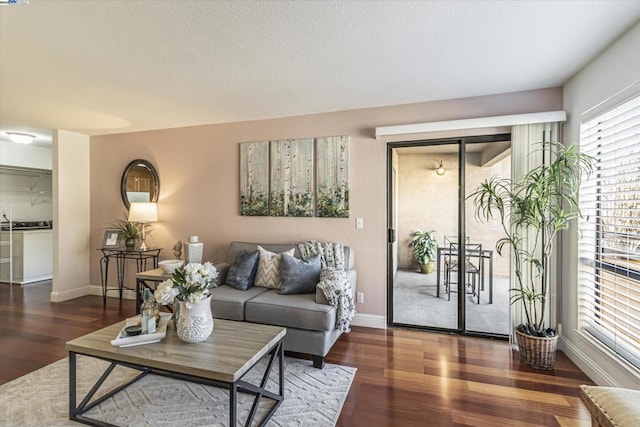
pixel 473 267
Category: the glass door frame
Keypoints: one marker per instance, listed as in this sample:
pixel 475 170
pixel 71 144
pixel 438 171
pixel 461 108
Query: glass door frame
pixel 392 233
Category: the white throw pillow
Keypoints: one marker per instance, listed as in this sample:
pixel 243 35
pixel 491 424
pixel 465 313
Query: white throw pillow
pixel 269 269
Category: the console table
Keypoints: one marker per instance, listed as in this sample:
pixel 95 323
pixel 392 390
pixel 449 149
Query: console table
pixel 121 255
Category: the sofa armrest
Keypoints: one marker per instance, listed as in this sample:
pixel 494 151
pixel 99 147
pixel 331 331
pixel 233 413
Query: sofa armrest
pixel 223 269
pixel 351 275
pixel 320 298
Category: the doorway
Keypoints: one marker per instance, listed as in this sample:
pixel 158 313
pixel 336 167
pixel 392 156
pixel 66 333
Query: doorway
pixel 429 183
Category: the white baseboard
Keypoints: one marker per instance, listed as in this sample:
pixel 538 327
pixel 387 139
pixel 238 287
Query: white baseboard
pixel 369 321
pixel 34 279
pixel 97 290
pixel 613 375
pixel 57 296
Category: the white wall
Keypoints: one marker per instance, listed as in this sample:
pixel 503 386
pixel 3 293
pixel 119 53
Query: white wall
pixel 26 156
pixel 28 195
pixel 71 215
pixel 21 192
pixel 612 71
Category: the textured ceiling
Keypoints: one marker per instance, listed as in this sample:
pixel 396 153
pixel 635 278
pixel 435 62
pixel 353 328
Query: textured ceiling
pixel 100 67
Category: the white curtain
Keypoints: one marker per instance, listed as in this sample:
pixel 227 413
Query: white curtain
pixel 526 153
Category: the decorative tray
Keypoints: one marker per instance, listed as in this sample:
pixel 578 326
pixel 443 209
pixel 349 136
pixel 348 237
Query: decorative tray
pixel 123 340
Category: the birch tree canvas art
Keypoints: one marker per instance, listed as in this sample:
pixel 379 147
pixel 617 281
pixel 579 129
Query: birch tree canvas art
pixel 254 178
pixel 291 177
pixel 332 176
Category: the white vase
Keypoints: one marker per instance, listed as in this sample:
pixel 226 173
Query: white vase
pixel 194 324
pixel 193 250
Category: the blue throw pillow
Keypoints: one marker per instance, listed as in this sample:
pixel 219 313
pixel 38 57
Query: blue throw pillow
pixel 299 276
pixel 243 270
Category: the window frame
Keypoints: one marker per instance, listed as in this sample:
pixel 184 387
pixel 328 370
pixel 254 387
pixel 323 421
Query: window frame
pixel 589 321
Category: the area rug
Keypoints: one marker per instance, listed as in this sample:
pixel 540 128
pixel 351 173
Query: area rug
pixel 313 397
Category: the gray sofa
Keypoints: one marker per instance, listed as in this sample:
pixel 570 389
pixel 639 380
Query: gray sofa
pixel 309 319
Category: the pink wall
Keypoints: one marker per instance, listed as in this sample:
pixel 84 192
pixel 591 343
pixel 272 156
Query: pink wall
pixel 199 180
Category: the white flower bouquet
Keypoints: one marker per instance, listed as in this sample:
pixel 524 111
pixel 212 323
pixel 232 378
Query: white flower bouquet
pixel 191 284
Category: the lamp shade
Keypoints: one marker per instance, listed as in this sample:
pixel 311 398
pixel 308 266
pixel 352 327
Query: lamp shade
pixel 143 212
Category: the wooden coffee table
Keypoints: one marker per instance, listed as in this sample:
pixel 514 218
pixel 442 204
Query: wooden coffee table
pixel 222 360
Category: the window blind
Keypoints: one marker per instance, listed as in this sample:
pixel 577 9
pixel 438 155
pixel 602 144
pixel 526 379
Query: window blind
pixel 609 249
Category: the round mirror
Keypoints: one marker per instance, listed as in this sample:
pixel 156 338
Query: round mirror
pixel 139 183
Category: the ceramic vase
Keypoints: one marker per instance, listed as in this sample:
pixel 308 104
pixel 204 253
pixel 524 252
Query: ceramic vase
pixel 194 324
pixel 193 250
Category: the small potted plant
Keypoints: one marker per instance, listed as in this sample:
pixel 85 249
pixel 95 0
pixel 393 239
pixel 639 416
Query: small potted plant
pixel 425 246
pixel 532 210
pixel 130 231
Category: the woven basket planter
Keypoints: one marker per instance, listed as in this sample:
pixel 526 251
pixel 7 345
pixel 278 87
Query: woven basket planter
pixel 537 352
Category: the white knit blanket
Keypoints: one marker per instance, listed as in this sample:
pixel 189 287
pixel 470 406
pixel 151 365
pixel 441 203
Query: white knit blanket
pixel 333 279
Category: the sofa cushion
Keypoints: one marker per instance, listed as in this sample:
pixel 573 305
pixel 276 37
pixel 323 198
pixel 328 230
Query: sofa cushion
pixel 269 266
pixel 236 246
pixel 229 303
pixel 299 276
pixel 292 311
pixel 243 270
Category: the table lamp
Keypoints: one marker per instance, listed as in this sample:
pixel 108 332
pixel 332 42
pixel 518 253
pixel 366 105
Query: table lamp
pixel 143 212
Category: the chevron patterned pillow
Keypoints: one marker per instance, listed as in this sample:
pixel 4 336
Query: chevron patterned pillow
pixel 269 266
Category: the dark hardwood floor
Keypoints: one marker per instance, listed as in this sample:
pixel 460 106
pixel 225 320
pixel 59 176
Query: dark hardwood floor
pixel 404 378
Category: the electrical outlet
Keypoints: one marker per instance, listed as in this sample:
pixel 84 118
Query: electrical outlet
pixel 360 297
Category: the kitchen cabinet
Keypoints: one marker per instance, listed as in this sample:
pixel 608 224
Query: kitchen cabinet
pixel 32 256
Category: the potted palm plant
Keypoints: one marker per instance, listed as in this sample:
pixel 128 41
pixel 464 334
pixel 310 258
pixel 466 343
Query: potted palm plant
pixel 424 246
pixel 532 210
pixel 130 231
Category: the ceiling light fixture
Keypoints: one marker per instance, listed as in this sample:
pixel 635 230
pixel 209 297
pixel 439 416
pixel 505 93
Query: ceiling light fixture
pixel 21 138
pixel 440 171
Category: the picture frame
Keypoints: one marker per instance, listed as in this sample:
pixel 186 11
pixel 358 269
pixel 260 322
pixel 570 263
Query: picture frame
pixel 291 181
pixel 302 177
pixel 111 239
pixel 332 177
pixel 254 178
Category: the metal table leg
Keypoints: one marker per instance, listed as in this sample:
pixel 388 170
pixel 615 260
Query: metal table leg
pixel 438 273
pixel 72 386
pixel 491 277
pixel 120 260
pixel 104 276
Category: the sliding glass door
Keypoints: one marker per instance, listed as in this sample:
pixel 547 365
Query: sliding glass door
pixel 429 185
pixel 425 200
